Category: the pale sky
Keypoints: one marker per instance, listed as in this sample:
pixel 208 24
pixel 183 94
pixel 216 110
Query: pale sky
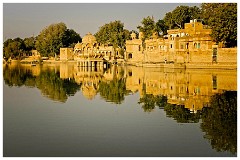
pixel 28 19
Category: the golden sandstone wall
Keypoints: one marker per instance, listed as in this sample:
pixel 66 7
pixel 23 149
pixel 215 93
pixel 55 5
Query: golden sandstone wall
pixel 227 55
pixel 66 54
pixel 135 51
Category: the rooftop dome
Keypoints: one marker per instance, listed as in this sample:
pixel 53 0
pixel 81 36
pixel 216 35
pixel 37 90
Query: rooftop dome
pixel 78 46
pixel 89 38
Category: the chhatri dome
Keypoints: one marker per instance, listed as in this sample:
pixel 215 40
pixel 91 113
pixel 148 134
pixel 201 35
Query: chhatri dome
pixel 89 38
pixel 78 46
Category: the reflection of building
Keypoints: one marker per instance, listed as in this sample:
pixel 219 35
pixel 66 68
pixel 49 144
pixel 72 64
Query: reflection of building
pixel 184 87
pixel 90 79
pixel 89 89
pixel 66 70
pixel 191 46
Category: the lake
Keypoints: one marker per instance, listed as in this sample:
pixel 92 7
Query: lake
pixel 61 110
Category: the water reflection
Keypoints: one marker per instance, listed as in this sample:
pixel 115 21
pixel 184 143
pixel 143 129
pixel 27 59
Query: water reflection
pixel 189 88
pixel 185 95
pixel 219 122
pixel 45 79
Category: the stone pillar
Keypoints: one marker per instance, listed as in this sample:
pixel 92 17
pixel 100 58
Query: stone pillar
pixel 101 65
pixel 93 64
pixel 89 64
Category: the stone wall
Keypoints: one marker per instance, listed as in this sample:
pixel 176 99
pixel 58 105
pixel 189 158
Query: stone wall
pixel 199 56
pixel 134 51
pixel 227 55
pixel 66 54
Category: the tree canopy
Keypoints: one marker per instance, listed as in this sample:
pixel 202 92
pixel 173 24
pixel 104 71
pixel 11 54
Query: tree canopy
pixel 113 33
pixel 222 18
pixel 13 48
pixel 181 15
pixel 161 27
pixel 29 43
pixel 71 38
pixel 55 36
pixel 148 27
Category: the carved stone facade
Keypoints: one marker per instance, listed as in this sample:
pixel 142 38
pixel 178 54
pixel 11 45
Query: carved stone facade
pixel 89 48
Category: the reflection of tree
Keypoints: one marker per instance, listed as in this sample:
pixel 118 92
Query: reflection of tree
pixel 149 102
pixel 181 114
pixel 55 88
pixel 178 113
pixel 113 91
pixel 161 101
pixel 17 76
pixel 219 122
pixel 48 82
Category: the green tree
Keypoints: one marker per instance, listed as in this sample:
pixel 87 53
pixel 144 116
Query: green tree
pixel 181 15
pixel 219 122
pixel 71 38
pixel 55 36
pixel 7 51
pixel 222 18
pixel 161 27
pixel 195 13
pixel 113 33
pixel 148 27
pixel 29 44
pixel 50 39
pixel 13 48
pixel 169 20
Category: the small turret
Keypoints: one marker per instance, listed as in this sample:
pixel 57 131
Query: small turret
pixel 133 35
pixel 141 35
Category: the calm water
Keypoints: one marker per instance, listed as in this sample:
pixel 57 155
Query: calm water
pixel 63 110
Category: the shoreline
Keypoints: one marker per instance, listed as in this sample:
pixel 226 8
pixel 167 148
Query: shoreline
pixel 226 66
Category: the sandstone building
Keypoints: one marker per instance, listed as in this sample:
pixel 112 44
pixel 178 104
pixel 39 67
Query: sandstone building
pixel 191 46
